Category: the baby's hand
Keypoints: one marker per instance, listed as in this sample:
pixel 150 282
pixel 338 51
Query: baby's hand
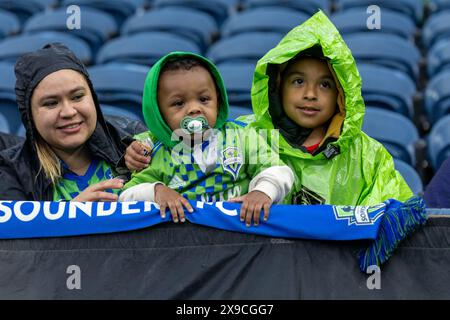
pixel 135 158
pixel 252 204
pixel 168 198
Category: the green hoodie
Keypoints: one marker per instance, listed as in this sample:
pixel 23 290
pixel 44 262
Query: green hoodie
pixel 358 169
pixel 224 164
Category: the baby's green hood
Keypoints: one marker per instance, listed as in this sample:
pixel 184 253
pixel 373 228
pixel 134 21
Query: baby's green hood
pixel 316 31
pixel 152 116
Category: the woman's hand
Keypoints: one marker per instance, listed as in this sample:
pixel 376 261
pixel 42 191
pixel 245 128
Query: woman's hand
pixel 252 204
pixel 96 192
pixel 168 198
pixel 135 158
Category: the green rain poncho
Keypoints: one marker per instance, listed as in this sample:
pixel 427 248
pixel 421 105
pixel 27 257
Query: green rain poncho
pixel 358 169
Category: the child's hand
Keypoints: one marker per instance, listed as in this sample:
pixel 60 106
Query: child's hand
pixel 252 204
pixel 168 198
pixel 134 157
pixel 97 192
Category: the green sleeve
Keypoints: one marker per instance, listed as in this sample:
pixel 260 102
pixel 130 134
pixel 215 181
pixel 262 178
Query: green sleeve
pixel 155 172
pixel 387 182
pixel 261 150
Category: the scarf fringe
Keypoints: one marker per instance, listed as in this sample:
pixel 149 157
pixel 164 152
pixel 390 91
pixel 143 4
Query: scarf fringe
pixel 397 224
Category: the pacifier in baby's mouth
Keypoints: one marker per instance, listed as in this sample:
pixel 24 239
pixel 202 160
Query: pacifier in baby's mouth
pixel 194 125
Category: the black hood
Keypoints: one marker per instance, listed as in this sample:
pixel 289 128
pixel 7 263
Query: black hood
pixel 31 68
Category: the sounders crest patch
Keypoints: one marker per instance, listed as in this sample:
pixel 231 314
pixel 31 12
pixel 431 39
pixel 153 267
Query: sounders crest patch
pixel 232 161
pixel 359 215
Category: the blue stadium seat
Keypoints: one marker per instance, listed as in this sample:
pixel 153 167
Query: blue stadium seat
pixel 8 104
pixel 9 24
pixel 119 112
pixel 435 28
pixel 396 132
pixel 192 24
pixel 23 9
pixel 354 20
pixel 143 48
pixel 387 50
pixel 437 96
pixel 439 142
pixel 388 89
pixel 248 47
pixel 309 7
pixel 96 26
pixel 438 5
pixel 410 8
pixel 119 9
pixel 13 47
pixel 238 79
pixel 218 9
pixel 4 125
pixel 237 111
pixel 438 58
pixel 21 131
pixel 410 175
pixel 121 85
pixel 264 19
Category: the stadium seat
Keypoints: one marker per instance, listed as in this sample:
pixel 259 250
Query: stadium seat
pixel 23 9
pixel 120 10
pixel 309 7
pixel 439 142
pixel 410 175
pixel 121 85
pixel 218 9
pixel 237 111
pixel 238 82
pixel 269 19
pixel 248 47
pixel 8 105
pixel 143 48
pixel 354 20
pixel 192 24
pixel 438 58
pixel 387 88
pixel 13 47
pixel 410 8
pixel 437 96
pixel 96 26
pixel 437 5
pixel 396 132
pixel 119 112
pixel 4 125
pixel 435 28
pixel 385 49
pixel 9 24
pixel 21 131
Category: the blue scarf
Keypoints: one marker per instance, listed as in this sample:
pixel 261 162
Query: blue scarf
pixel 385 224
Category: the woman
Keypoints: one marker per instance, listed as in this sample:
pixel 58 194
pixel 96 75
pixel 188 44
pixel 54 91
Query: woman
pixel 71 152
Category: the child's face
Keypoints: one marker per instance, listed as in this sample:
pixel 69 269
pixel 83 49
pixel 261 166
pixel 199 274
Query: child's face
pixel 187 93
pixel 309 93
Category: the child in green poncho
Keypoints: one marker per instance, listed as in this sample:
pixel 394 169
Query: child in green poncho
pixel 309 88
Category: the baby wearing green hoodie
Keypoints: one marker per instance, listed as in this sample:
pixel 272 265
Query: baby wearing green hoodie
pixel 217 160
pixel 309 88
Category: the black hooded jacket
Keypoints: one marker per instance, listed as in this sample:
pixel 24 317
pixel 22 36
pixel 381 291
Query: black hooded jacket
pixel 20 174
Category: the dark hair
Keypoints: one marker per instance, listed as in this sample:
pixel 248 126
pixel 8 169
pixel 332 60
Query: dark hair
pixel 314 52
pixel 182 64
pixel 185 63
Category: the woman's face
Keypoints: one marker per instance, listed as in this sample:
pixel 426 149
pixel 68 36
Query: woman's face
pixel 63 110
